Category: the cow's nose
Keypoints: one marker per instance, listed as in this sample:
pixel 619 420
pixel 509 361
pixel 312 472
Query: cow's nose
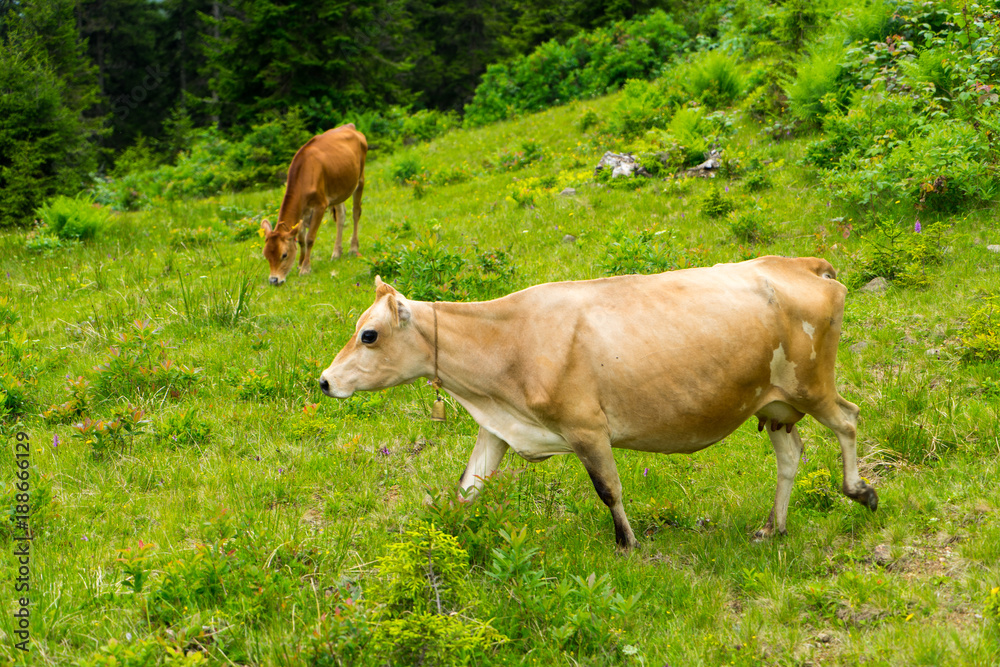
pixel 324 385
pixel 274 281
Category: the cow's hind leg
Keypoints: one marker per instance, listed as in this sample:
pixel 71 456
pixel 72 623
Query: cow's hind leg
pixel 356 213
pixel 841 416
pixel 339 214
pixel 787 451
pixel 485 459
pixel 599 461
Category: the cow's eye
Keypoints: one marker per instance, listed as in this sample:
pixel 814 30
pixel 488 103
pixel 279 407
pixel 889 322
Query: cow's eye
pixel 284 256
pixel 369 336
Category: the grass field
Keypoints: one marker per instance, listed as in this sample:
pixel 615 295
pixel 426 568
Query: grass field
pixel 253 521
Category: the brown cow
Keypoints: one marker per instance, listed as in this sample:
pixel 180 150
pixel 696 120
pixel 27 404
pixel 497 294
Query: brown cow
pixel 672 362
pixel 327 170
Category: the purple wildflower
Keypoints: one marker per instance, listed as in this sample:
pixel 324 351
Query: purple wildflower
pixel 727 188
pixel 84 538
pixel 55 442
pixel 384 451
pixel 645 471
pixel 916 226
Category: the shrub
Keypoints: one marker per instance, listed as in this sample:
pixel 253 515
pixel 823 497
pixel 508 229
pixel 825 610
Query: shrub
pixel 993 608
pixel 114 435
pixel 74 218
pixel 422 585
pixel 407 169
pixel 819 87
pixel 897 255
pixel 587 65
pixel 981 335
pixel 815 490
pixel 475 525
pixel 531 151
pixel 427 270
pixel 751 227
pixel 38 241
pixel 256 385
pixel 691 128
pixel 181 429
pixel 75 407
pixel 640 251
pixel 139 363
pixel 714 79
pixel 716 204
pixel 17 373
pixel 642 106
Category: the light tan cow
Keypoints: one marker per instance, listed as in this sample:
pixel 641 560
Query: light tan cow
pixel 664 363
pixel 326 171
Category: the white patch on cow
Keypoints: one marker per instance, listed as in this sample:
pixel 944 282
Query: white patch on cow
pixel 531 441
pixel 757 393
pixel 783 370
pixel 808 328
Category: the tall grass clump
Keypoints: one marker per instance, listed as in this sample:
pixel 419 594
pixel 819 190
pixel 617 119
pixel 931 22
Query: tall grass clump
pixel 714 79
pixel 74 218
pixel 818 87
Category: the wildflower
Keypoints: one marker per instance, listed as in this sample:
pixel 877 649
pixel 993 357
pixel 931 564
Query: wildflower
pixel 55 442
pixel 384 451
pixel 645 471
pixel 917 227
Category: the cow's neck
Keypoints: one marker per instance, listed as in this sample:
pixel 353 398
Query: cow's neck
pixel 290 212
pixel 473 345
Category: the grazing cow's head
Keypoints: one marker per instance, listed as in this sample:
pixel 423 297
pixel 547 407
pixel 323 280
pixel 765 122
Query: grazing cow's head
pixel 384 351
pixel 279 249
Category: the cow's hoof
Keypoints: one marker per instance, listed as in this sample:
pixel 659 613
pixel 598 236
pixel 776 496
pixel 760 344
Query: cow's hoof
pixel 872 502
pixel 305 272
pixel 865 496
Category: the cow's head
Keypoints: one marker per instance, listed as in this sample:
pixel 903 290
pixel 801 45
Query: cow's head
pixel 384 351
pixel 279 249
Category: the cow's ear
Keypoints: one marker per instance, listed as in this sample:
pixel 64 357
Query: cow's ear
pixel 266 226
pixel 381 288
pixel 402 311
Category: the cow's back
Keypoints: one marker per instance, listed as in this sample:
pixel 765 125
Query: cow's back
pixel 333 161
pixel 680 357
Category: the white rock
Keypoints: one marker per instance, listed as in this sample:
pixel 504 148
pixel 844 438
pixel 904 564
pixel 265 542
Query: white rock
pixel 876 286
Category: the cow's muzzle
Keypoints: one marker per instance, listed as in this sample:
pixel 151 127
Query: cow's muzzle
pixel 276 281
pixel 333 391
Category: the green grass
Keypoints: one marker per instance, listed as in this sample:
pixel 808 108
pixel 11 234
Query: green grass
pixel 304 501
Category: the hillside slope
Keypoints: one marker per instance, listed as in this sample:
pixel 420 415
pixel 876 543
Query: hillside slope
pixel 254 520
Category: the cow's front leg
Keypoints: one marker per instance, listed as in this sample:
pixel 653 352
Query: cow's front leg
pixel 485 459
pixel 787 451
pixel 305 238
pixel 597 458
